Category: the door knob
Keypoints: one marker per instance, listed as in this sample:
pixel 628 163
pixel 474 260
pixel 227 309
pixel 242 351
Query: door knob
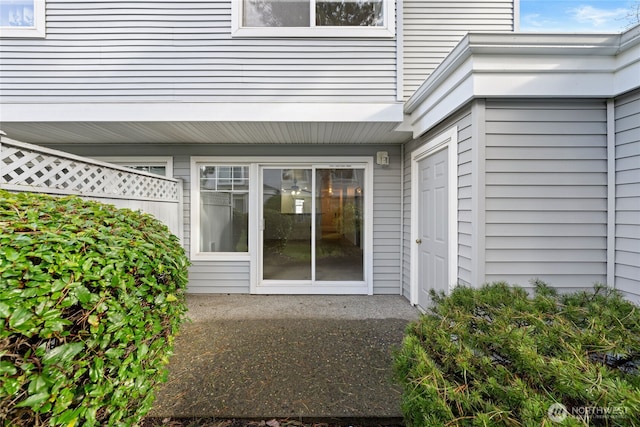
pixel 418 241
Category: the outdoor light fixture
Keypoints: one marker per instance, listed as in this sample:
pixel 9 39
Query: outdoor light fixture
pixel 382 158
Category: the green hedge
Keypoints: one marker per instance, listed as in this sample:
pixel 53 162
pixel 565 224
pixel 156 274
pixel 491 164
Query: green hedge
pixel 91 298
pixel 496 356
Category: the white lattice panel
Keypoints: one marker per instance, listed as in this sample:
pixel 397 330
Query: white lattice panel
pixel 38 169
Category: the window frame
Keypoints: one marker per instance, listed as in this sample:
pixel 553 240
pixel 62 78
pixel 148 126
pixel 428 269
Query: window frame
pixel 195 252
pixel 39 30
pixel 386 30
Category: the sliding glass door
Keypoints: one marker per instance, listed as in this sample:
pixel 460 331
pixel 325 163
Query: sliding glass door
pixel 312 228
pixel 339 228
pixel 288 221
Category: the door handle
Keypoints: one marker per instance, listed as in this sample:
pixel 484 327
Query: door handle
pixel 418 241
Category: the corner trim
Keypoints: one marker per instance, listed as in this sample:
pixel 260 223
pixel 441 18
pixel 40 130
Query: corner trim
pixel 611 194
pixel 478 193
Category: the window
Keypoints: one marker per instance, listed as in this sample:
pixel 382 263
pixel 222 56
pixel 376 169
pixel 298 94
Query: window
pixel 162 166
pixel 155 169
pixel 314 18
pixel 299 224
pixel 22 18
pixel 224 208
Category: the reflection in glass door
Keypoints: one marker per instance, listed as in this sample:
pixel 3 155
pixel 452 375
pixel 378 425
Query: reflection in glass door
pixel 313 226
pixel 339 228
pixel 287 213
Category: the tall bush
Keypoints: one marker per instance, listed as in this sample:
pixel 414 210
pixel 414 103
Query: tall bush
pixel 91 298
pixel 497 357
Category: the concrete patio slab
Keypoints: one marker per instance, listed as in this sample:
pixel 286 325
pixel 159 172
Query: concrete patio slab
pixel 247 356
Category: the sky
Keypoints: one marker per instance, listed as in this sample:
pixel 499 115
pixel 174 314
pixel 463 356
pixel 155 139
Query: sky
pixel 576 15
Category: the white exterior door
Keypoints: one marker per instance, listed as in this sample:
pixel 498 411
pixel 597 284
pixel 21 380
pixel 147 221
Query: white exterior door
pixel 432 236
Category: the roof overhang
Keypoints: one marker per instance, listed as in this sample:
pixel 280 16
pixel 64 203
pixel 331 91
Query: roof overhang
pixel 524 65
pixel 139 122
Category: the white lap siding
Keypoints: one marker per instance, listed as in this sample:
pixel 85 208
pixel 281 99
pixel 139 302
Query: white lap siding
pixel 183 51
pixel 627 255
pixel 546 192
pixel 433 28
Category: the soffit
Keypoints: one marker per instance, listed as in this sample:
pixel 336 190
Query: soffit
pixel 206 132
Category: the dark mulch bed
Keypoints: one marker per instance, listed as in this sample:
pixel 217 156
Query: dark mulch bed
pixel 214 422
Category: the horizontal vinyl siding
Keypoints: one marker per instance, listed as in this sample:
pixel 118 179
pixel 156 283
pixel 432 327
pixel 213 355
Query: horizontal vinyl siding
pixel 546 192
pixel 181 170
pixel 174 51
pixel 465 186
pixel 233 276
pixel 219 277
pixel 627 269
pixel 431 29
pixel 386 225
pixel 463 121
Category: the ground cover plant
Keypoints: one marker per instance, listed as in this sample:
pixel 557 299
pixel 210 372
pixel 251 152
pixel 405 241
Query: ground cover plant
pixel 497 356
pixel 90 299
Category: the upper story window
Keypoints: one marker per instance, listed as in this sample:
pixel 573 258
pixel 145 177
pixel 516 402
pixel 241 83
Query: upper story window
pixel 22 18
pixel 313 18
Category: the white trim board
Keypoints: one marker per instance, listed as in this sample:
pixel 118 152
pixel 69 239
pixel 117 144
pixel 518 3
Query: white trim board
pixel 447 139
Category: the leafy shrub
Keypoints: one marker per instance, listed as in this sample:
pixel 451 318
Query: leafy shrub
pixel 496 356
pixel 90 300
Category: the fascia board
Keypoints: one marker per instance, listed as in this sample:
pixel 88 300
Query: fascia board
pixel 627 78
pixel 628 62
pixel 544 43
pixel 543 76
pixel 443 73
pixel 543 85
pixel 512 47
pixel 449 87
pixel 502 83
pixel 523 65
pixel 441 105
pixel 534 63
pixel 203 112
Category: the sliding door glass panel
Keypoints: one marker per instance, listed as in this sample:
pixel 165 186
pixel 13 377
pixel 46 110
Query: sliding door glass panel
pixel 339 224
pixel 287 213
